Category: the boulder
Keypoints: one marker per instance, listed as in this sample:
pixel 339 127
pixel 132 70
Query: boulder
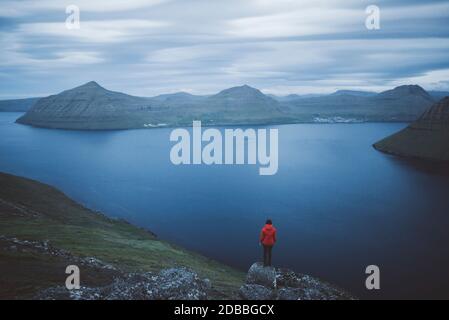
pixel 179 284
pixel 266 283
pixel 264 276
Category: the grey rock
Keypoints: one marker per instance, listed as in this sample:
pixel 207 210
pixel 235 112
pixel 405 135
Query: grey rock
pixel 290 294
pixel 287 278
pixel 255 292
pixel 169 284
pixel 179 284
pixel 265 276
pixel 264 283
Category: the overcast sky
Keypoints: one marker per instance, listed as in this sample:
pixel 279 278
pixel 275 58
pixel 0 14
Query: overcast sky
pixel 203 46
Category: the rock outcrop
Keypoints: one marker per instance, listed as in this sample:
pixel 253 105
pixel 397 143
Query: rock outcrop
pixel 426 138
pixel 269 283
pixel 260 275
pixel 262 283
pixel 169 284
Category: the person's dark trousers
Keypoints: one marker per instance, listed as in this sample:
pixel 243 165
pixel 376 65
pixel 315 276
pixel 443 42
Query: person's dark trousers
pixel 267 255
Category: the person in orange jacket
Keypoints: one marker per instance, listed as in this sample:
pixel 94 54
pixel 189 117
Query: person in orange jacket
pixel 267 239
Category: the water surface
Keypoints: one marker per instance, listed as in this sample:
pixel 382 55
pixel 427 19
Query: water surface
pixel 338 204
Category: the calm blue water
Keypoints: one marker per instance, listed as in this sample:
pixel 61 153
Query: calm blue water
pixel 338 204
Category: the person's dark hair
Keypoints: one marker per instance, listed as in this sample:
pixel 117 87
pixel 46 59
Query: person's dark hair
pixel 269 221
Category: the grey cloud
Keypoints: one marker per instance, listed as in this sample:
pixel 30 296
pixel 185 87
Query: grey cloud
pixel 282 46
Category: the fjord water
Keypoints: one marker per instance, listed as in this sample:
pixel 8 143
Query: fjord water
pixel 338 204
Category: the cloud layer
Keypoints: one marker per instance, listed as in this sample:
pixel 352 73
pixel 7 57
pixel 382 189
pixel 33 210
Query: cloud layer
pixel 202 46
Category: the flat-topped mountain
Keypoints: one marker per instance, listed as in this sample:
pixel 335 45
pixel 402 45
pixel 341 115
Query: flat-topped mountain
pixel 91 106
pixel 426 138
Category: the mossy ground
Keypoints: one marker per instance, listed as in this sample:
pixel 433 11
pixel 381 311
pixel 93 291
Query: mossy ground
pixel 33 211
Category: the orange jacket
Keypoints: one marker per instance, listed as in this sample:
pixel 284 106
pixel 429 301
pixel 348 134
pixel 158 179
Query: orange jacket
pixel 268 235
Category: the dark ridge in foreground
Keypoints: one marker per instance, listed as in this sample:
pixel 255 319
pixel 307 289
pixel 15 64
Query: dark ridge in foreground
pixel 42 231
pixel 427 138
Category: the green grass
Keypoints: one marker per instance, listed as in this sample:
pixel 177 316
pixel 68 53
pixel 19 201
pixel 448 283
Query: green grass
pixel 69 226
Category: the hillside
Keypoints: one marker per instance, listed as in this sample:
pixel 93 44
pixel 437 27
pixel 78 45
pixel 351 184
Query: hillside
pixel 426 138
pixel 402 104
pixel 42 231
pixel 244 105
pixel 91 106
pixel 17 105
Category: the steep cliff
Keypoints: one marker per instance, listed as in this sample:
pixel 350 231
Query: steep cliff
pixel 426 138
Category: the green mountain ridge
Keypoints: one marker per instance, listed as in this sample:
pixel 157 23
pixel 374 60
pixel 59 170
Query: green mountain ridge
pixel 92 107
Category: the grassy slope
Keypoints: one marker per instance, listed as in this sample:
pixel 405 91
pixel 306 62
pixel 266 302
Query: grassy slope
pixel 33 211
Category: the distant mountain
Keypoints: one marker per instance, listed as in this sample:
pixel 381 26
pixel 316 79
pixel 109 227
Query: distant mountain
pixel 244 104
pixel 427 137
pixel 292 97
pixel 239 95
pixel 17 105
pixel 438 95
pixel 178 98
pixel 403 91
pixel 404 103
pixel 91 106
pixel 354 93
